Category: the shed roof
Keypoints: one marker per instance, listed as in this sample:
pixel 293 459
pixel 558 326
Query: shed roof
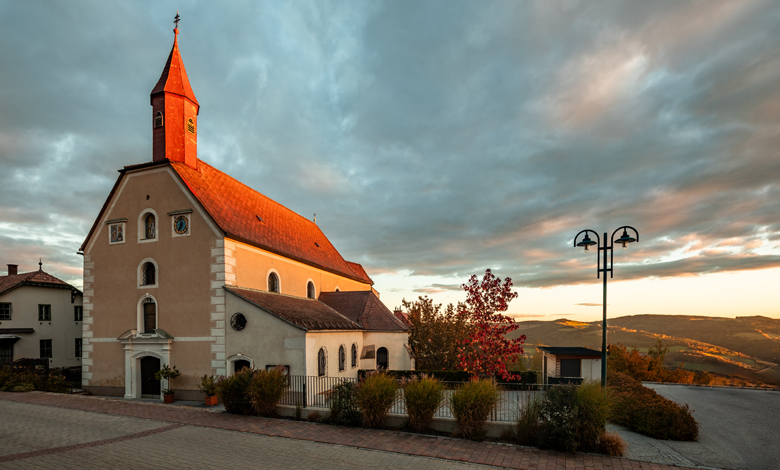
pixel 571 351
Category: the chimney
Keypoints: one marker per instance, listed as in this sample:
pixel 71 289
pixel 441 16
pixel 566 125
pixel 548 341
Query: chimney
pixel 13 269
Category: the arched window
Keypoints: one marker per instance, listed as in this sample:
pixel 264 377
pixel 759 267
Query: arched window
pixel 150 316
pixel 158 119
pixel 149 226
pixel 354 355
pixel 273 282
pixel 148 274
pixel 191 126
pixel 322 362
pixel 311 292
pixel 381 359
pixel 342 358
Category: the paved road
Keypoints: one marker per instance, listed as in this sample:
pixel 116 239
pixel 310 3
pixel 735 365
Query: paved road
pixel 83 440
pixel 739 428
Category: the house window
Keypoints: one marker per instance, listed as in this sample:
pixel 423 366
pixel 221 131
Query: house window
pixel 311 292
pixel 78 347
pixel 273 283
pixel 44 313
pixel 322 362
pixel 78 313
pixel 6 351
pixel 342 358
pixel 150 316
pixel 149 227
pixel 158 120
pixel 148 274
pixel 46 349
pixel 190 126
pixel 354 355
pixel 5 311
pixel 116 233
pixel 381 359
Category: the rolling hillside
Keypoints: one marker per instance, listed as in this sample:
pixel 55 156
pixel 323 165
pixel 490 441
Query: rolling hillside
pixel 744 346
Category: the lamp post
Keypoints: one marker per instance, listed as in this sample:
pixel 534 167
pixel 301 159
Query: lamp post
pixel 604 265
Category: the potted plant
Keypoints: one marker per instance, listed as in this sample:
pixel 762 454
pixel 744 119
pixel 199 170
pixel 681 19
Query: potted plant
pixel 167 373
pixel 208 385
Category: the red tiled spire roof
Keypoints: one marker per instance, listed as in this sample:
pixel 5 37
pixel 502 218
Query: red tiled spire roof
pixel 174 76
pixel 246 215
pixel 34 278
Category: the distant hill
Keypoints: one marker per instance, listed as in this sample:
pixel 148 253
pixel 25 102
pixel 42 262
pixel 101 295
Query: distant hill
pixel 744 346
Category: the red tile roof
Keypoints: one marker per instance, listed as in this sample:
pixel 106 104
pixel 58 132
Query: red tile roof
pixel 248 216
pixel 358 269
pixel 34 278
pixel 308 314
pixel 364 308
pixel 174 76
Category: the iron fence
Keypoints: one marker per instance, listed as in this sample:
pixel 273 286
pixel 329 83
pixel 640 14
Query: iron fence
pixel 319 392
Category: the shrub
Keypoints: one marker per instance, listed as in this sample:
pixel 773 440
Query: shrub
pixel 57 384
pixel 644 411
pixel 23 387
pixel 208 385
pixel 611 443
pixel 233 392
pixel 375 395
pixel 529 425
pixel 314 417
pixel 266 389
pixel 6 377
pixel 343 405
pixel 472 404
pixel 422 397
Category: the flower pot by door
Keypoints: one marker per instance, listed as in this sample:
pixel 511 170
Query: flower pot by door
pixel 211 401
pixel 168 398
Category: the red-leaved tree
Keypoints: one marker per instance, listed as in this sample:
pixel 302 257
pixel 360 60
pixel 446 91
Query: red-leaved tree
pixel 486 351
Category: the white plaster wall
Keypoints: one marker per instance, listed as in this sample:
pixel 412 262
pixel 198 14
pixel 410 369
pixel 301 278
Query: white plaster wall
pixel 266 339
pixel 62 329
pixel 398 356
pixel 331 340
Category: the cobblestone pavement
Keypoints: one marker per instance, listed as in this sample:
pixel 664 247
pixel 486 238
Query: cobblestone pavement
pixel 647 449
pixel 94 432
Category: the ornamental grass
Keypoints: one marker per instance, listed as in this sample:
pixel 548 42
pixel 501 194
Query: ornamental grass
pixel 267 389
pixel 422 395
pixel 375 395
pixel 472 404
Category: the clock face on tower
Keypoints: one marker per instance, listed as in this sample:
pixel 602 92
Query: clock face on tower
pixel 181 225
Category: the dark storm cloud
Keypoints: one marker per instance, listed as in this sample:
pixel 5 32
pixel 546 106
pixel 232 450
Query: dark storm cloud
pixel 437 138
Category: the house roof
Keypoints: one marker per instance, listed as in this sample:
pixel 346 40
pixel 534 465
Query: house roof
pixel 35 278
pixel 304 313
pixel 248 216
pixel 571 351
pixel 174 77
pixel 364 308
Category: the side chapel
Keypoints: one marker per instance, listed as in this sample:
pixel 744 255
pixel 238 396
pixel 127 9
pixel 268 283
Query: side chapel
pixel 187 266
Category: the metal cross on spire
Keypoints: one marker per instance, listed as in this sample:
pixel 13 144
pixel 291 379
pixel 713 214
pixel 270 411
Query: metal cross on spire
pixel 176 19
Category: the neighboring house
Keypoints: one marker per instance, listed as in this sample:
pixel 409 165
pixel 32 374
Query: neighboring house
pixel 184 265
pixel 40 317
pixel 565 363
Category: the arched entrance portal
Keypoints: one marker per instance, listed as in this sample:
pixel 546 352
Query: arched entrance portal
pixel 150 387
pixel 241 364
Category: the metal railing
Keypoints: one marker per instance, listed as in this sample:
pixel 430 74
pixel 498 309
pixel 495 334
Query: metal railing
pixel 319 392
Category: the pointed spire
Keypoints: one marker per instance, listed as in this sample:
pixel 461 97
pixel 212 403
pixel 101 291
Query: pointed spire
pixel 40 264
pixel 174 76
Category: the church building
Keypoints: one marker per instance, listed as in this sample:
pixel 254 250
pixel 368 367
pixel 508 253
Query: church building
pixel 187 266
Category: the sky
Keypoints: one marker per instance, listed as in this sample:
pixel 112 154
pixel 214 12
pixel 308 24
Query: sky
pixel 433 139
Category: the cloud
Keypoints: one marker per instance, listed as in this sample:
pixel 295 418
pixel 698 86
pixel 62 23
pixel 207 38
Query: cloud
pixel 589 304
pixel 436 138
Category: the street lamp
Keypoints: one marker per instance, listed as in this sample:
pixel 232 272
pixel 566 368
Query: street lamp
pixel 604 265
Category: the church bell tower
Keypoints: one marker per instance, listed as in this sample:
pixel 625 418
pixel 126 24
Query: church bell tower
pixel 174 112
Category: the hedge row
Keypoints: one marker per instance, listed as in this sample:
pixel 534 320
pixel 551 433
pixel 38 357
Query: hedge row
pixel 526 377
pixel 645 411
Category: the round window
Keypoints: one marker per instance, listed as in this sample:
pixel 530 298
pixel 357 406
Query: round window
pixel 238 321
